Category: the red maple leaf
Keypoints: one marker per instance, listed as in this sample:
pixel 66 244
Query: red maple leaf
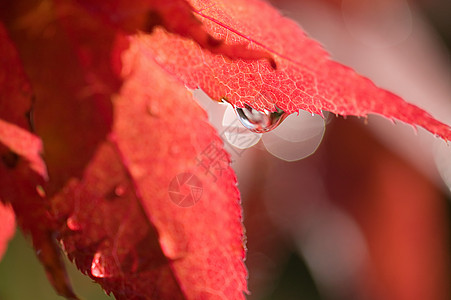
pixel 8 227
pixel 305 77
pixel 139 189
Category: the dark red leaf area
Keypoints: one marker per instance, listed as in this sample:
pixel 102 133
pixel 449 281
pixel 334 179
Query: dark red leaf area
pixel 72 107
pixel 22 187
pixel 23 173
pixel 108 235
pixel 16 95
pixel 64 117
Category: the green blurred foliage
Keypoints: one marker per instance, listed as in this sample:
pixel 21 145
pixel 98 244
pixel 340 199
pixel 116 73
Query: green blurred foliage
pixel 22 277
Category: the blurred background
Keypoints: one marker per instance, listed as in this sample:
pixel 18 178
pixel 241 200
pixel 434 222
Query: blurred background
pixel 367 216
pixel 335 209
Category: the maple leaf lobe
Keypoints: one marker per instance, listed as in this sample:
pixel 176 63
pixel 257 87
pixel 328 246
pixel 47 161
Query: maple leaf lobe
pixel 191 253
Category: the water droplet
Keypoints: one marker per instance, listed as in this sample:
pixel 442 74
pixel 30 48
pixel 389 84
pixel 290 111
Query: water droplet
pixel 153 109
pixel 98 266
pixel 257 121
pixel 235 133
pixel 120 190
pixel 73 224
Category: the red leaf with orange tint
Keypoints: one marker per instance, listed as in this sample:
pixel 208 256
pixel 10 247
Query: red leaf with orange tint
pixel 97 190
pixel 126 224
pixel 138 257
pixel 107 234
pixel 305 77
pixel 205 263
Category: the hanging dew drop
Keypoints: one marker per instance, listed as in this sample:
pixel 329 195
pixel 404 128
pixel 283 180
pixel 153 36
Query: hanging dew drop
pixel 260 122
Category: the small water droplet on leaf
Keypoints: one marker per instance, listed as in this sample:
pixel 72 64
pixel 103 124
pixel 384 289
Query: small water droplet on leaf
pixel 73 224
pixel 120 190
pixel 257 121
pixel 98 268
pixel 153 109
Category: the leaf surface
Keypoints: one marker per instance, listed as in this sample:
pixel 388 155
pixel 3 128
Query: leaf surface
pixel 107 234
pixel 22 169
pixel 15 110
pixel 305 77
pixel 135 244
pixel 204 241
pixel 161 251
pixel 126 226
pixel 14 85
pixel 72 110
